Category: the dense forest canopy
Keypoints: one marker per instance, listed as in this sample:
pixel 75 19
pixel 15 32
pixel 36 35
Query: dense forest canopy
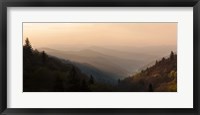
pixel 45 73
pixel 162 76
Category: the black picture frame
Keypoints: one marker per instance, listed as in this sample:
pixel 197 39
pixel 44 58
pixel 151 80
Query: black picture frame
pixel 99 3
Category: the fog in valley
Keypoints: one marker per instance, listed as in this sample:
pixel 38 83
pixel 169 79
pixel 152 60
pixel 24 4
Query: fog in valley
pixel 115 50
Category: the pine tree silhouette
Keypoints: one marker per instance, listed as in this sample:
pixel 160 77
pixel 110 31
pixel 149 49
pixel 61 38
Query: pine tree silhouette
pixel 59 85
pixel 84 86
pixel 73 72
pixel 91 80
pixel 44 57
pixel 28 50
pixel 119 81
pixel 172 55
pixel 150 88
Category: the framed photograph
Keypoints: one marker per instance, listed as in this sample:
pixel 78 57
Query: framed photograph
pixel 99 57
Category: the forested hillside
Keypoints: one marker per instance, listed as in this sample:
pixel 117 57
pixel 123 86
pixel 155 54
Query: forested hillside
pixel 44 73
pixel 161 77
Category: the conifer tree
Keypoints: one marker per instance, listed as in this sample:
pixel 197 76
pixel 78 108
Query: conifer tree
pixel 73 72
pixel 150 88
pixel 44 57
pixel 91 80
pixel 59 85
pixel 119 81
pixel 27 47
pixel 172 55
pixel 84 86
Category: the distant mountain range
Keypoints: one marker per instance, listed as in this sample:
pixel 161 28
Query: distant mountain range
pixel 111 62
pixel 97 69
pixel 44 73
pixel 160 77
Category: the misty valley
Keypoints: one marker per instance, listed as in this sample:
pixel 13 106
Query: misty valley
pixel 100 69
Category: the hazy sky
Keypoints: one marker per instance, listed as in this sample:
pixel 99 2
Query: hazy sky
pixel 100 34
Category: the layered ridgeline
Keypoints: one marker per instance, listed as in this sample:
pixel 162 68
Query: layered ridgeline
pixel 161 77
pixel 111 62
pixel 46 73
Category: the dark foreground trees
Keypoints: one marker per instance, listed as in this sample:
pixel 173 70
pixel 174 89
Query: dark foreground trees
pixel 43 73
pixel 161 77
